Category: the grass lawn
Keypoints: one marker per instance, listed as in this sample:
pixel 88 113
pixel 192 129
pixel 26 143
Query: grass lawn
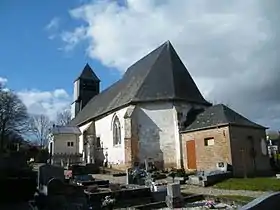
pixel 253 184
pixel 237 198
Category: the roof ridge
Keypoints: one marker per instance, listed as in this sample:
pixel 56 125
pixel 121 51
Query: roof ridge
pixel 225 108
pixel 169 45
pixel 148 72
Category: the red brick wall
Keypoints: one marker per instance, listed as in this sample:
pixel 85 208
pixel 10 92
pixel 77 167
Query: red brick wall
pixel 227 148
pixel 208 156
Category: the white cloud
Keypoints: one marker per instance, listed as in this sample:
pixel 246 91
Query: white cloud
pixel 60 93
pixel 45 102
pixel 53 24
pixel 3 81
pixel 231 48
pixel 52 27
pixel 73 38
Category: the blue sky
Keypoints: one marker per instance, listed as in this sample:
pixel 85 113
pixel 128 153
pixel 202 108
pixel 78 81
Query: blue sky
pixel 233 58
pixel 30 60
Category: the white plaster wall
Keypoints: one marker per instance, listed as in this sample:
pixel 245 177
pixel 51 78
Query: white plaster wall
pixel 156 131
pixel 76 92
pixel 50 140
pixel 60 144
pixel 103 128
pixel 81 140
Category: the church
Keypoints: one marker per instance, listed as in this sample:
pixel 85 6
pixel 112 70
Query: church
pixel 143 116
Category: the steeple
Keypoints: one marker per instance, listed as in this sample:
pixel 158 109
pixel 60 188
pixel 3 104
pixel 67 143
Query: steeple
pixel 88 73
pixel 86 86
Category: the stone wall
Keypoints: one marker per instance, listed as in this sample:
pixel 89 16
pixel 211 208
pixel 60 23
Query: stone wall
pixel 239 142
pixel 65 159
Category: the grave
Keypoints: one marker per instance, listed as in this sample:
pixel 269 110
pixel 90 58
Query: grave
pixel 47 172
pixel 54 193
pixel 55 187
pixel 174 198
pixel 207 178
pixel 136 176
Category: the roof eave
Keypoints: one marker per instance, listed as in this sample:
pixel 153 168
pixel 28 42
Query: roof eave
pixel 222 125
pixel 134 102
pixel 204 128
pixel 249 126
pixel 101 115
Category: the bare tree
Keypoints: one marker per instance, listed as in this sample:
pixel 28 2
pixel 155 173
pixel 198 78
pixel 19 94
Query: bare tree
pixel 13 116
pixel 64 117
pixel 39 126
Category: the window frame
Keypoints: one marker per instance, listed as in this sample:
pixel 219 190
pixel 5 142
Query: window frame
pixel 116 130
pixel 206 141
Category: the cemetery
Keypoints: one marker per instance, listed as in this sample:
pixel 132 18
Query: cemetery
pixel 145 188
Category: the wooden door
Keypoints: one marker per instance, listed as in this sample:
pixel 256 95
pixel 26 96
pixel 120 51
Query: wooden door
pixel 191 156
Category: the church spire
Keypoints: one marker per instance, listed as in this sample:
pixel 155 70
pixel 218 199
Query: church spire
pixel 88 73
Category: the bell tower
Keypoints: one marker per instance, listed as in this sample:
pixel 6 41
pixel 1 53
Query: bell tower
pixel 86 86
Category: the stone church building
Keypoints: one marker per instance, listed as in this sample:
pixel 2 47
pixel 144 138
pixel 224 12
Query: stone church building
pixel 141 116
pixel 138 117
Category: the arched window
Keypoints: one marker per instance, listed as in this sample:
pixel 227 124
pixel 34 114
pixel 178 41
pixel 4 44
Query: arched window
pixel 116 131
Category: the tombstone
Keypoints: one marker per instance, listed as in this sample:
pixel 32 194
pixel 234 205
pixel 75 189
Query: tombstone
pixel 146 165
pixel 174 198
pixel 222 166
pixel 55 187
pixel 46 173
pixel 128 176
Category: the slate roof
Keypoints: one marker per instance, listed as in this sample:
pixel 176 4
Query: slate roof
pixel 160 75
pixel 88 73
pixel 219 115
pixel 66 130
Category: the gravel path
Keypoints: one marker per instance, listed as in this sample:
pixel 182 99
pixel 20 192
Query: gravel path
pixel 191 188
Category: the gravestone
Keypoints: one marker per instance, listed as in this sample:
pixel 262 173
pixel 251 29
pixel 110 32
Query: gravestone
pixel 46 173
pixel 174 198
pixel 55 187
pixel 129 177
pixel 174 190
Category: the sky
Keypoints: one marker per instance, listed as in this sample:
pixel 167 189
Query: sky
pixel 231 48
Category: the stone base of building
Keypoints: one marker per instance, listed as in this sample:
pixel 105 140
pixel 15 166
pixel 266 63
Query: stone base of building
pixel 66 159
